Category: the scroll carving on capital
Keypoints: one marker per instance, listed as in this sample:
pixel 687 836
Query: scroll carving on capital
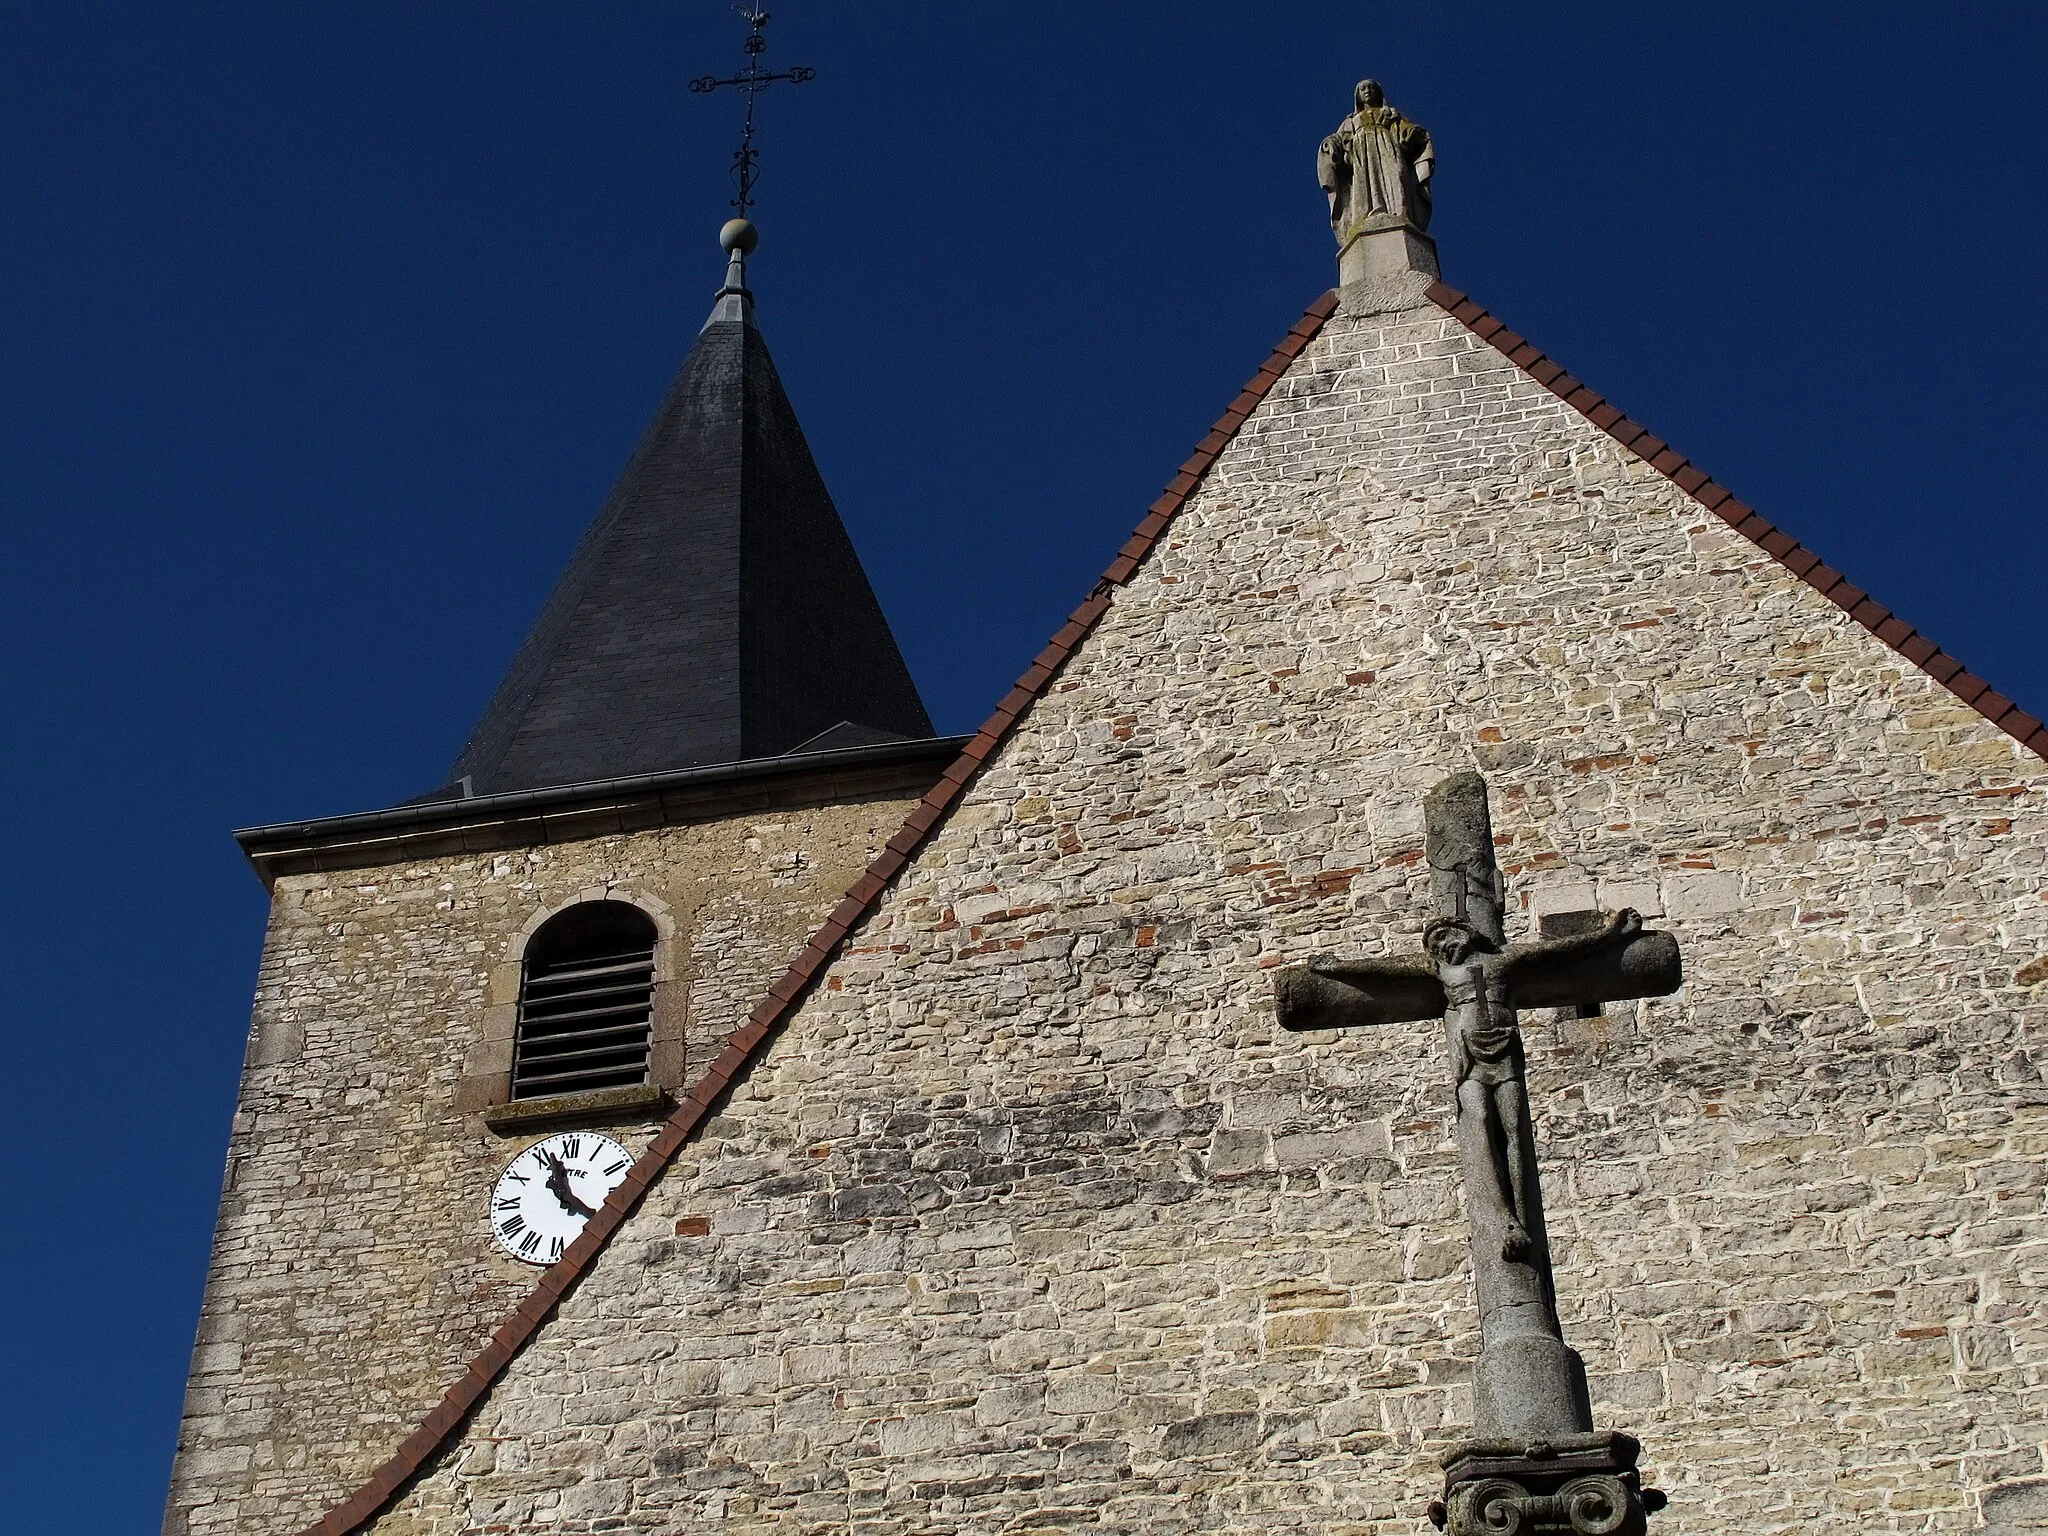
pixel 1376 169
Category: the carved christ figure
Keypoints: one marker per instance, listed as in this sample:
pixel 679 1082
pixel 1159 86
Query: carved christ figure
pixel 1480 982
pixel 1376 168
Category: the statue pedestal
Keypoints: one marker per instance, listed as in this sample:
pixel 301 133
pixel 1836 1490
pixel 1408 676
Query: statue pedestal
pixel 1382 253
pixel 1574 1485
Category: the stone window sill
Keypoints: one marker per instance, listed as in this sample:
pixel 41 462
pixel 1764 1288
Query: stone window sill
pixel 637 1103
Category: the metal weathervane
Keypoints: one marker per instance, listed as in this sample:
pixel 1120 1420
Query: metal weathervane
pixel 753 80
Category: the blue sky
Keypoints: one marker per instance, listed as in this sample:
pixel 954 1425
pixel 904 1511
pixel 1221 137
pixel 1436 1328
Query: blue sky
pixel 328 325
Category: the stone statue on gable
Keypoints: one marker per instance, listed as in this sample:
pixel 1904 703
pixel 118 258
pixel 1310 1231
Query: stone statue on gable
pixel 1376 169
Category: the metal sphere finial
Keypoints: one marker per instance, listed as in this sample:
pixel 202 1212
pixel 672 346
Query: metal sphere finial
pixel 739 235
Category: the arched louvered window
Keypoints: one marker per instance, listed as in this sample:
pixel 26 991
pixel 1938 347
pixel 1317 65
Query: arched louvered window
pixel 586 993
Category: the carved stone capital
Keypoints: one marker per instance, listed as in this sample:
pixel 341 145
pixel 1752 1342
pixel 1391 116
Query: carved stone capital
pixel 1585 1506
pixel 1581 1485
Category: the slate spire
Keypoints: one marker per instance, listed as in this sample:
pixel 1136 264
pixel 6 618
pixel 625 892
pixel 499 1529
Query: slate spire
pixel 715 610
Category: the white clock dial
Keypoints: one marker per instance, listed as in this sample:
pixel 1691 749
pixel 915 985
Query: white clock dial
pixel 550 1190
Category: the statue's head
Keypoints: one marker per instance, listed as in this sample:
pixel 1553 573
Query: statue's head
pixel 1450 942
pixel 1368 94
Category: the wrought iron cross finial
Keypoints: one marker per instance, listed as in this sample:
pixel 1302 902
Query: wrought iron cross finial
pixel 752 80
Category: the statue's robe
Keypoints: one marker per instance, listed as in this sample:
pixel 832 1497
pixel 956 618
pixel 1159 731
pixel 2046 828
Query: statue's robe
pixel 1375 168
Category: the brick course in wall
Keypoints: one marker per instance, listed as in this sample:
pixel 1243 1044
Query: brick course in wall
pixel 1030 1218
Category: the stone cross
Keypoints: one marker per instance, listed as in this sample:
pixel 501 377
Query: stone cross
pixel 1529 1386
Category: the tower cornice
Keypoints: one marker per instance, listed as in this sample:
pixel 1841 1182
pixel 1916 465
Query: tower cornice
pixel 600 808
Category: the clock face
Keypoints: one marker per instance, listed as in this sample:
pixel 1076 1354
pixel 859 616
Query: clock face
pixel 550 1190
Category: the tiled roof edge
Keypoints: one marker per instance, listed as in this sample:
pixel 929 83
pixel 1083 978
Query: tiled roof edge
pixel 746 1043
pixel 1745 520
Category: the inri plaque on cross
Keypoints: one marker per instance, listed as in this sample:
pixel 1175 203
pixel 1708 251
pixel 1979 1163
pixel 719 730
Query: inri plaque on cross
pixel 1534 1450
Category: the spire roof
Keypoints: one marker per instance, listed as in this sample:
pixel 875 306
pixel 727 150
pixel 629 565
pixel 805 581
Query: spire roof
pixel 715 611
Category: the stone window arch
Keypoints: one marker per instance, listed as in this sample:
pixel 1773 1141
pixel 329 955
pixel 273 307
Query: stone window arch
pixel 520 1072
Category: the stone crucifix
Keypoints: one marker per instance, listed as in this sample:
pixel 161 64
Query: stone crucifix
pixel 1529 1387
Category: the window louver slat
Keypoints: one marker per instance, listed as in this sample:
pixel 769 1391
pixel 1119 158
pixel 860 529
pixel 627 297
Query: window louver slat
pixel 549 1060
pixel 578 1082
pixel 600 988
pixel 536 1019
pixel 562 977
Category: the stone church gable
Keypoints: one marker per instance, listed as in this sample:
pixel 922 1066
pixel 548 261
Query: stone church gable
pixel 1026 1216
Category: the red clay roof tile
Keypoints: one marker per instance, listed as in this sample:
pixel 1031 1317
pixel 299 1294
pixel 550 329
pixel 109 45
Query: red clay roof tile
pixel 1941 667
pixel 1968 687
pixel 1846 595
pixel 1823 578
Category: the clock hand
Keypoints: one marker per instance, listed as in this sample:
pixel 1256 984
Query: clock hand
pixel 558 1186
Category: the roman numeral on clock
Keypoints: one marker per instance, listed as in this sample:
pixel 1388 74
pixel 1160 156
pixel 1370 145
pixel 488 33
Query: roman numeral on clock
pixel 513 1226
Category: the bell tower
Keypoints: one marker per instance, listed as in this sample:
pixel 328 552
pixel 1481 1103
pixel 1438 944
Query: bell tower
pixel 462 1000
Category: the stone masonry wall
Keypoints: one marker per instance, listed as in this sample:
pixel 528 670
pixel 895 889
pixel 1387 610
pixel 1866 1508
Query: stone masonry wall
pixel 1032 1221
pixel 353 1272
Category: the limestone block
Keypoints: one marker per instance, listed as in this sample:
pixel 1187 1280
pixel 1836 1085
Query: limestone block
pixel 2016 1507
pixel 1701 892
